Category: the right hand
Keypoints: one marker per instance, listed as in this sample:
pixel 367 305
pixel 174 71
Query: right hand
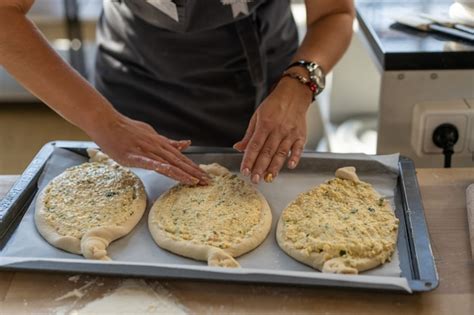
pixel 134 143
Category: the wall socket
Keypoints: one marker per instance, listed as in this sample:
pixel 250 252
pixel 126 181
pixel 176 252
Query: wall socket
pixel 429 115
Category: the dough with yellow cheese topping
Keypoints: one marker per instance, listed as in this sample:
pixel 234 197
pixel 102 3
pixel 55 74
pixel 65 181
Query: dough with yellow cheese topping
pixel 90 205
pixel 212 223
pixel 342 226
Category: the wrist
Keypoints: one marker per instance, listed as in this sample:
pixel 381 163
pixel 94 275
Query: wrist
pixel 295 93
pixel 103 117
pixel 296 86
pixel 315 78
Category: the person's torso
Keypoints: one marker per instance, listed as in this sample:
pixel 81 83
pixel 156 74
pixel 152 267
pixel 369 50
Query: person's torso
pixel 192 15
pixel 211 67
pixel 130 36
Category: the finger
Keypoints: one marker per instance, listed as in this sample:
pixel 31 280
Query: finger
pixel 242 144
pixel 160 146
pixel 172 160
pixel 180 145
pixel 162 168
pixel 252 150
pixel 180 156
pixel 279 159
pixel 159 159
pixel 265 155
pixel 296 151
pixel 176 158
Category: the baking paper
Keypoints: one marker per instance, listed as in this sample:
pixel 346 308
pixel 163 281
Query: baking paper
pixel 138 248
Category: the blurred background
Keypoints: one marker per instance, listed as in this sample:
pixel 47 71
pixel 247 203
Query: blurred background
pixel 347 117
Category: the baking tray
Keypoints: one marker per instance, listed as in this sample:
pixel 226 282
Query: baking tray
pixel 415 255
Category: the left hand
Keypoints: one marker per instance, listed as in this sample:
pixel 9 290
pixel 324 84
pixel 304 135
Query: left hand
pixel 277 129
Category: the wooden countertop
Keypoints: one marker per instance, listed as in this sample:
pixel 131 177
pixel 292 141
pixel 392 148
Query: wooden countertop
pixel 443 193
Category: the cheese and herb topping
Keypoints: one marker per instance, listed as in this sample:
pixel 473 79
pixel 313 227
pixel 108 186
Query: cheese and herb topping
pixel 341 218
pixel 90 195
pixel 220 214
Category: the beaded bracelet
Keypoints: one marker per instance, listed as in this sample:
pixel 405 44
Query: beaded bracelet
pixel 312 86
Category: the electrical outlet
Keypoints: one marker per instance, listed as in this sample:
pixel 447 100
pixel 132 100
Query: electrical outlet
pixel 433 120
pixel 428 116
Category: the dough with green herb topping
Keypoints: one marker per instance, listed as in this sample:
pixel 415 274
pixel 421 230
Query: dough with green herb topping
pixel 90 205
pixel 212 223
pixel 342 226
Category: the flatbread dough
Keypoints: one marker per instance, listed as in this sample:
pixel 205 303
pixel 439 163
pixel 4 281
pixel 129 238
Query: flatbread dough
pixel 342 226
pixel 90 205
pixel 212 223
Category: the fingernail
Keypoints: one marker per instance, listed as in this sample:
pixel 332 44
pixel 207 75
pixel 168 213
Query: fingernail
pixel 292 164
pixel 246 172
pixel 194 181
pixel 236 147
pixel 268 178
pixel 255 178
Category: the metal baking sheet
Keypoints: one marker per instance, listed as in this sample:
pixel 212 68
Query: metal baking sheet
pixel 137 254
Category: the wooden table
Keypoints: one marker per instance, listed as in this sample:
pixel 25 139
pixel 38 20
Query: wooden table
pixel 443 194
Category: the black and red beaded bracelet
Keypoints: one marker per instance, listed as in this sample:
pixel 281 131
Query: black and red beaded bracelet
pixel 312 86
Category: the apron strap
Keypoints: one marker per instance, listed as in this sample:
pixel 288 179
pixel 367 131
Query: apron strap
pixel 249 38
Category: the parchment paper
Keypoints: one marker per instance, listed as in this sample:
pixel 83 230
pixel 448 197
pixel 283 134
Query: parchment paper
pixel 138 247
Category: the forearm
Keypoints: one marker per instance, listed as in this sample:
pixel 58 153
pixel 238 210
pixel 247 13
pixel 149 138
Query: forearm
pixel 326 39
pixel 277 130
pixel 28 57
pixel 328 35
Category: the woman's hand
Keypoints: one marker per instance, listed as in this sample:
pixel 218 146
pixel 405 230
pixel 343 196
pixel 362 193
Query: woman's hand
pixel 279 126
pixel 136 144
pixel 277 129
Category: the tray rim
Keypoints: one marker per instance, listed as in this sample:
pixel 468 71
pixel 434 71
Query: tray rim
pixel 424 276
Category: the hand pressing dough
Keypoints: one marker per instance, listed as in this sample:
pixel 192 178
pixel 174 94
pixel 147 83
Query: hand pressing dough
pixel 342 226
pixel 212 223
pixel 90 205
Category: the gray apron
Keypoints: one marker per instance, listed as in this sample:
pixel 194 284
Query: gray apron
pixel 197 78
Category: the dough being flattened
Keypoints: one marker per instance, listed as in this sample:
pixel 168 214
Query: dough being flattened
pixel 342 226
pixel 90 205
pixel 212 223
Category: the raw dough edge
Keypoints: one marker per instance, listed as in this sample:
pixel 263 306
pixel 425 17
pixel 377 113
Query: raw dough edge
pixel 94 242
pixel 206 252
